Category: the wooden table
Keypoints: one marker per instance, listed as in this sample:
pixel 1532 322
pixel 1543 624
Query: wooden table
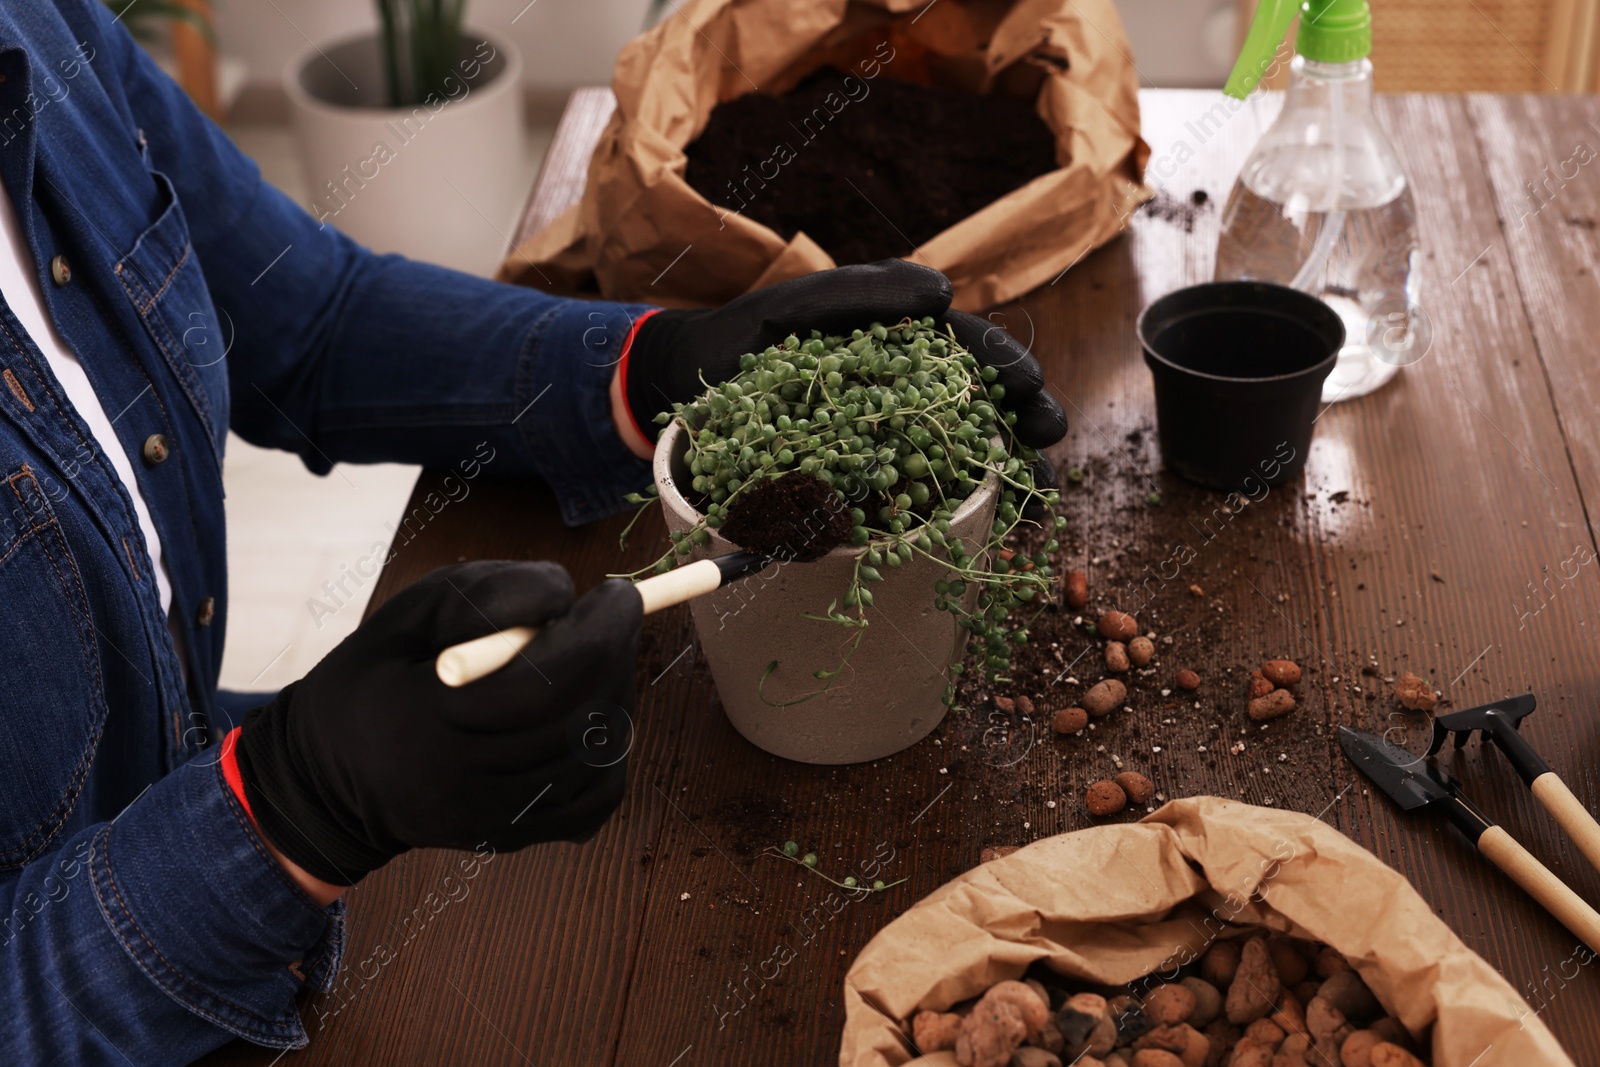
pixel 1441 527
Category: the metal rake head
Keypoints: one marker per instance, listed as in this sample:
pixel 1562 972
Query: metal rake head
pixel 1497 721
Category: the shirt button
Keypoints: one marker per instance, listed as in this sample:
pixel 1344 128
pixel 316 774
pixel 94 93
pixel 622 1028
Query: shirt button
pixel 155 449
pixel 61 270
pixel 206 612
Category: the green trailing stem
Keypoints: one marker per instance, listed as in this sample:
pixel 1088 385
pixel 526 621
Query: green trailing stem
pixel 809 861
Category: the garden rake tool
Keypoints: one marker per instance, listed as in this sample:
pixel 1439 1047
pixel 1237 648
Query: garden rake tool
pixel 1500 723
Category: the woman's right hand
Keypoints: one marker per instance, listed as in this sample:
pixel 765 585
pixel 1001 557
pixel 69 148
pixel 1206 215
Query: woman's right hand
pixel 370 754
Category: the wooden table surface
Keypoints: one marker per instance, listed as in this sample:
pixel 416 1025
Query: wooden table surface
pixel 1441 526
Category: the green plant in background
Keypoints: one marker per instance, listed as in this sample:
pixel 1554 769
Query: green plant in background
pixel 901 421
pixel 142 16
pixel 421 47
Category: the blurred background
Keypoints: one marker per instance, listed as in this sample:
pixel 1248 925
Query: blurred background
pixel 299 85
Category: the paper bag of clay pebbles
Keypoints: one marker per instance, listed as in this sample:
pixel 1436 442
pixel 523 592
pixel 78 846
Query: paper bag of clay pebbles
pixel 1211 934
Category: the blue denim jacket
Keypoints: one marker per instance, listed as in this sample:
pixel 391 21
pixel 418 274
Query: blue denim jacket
pixel 140 918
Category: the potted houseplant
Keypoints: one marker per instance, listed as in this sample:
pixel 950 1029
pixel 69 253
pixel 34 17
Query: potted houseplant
pixel 411 136
pixel 851 656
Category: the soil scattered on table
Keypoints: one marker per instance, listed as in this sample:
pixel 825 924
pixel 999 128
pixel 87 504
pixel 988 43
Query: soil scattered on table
pixel 1181 717
pixel 752 820
pixel 999 773
pixel 868 170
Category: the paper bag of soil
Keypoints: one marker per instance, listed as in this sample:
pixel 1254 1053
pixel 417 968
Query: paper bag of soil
pixel 1112 904
pixel 641 232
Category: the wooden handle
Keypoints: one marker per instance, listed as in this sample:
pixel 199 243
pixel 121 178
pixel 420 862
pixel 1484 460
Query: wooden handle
pixel 1543 886
pixel 467 662
pixel 679 585
pixel 1572 816
pixel 471 660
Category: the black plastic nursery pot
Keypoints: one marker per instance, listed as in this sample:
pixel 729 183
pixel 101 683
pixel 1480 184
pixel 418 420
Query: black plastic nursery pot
pixel 1238 370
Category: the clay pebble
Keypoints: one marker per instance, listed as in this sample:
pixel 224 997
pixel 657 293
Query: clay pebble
pixel 1138 788
pixel 1105 798
pixel 1117 626
pixel 1141 650
pixel 1069 720
pixel 1274 705
pixel 1281 672
pixel 1414 693
pixel 1104 697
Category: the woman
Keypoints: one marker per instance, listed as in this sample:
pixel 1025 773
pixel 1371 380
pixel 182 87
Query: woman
pixel 169 878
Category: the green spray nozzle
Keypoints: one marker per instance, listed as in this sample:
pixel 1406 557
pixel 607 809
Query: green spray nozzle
pixel 1331 31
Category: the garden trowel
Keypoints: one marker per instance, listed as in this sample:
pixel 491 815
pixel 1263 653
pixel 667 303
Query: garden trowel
pixel 1414 783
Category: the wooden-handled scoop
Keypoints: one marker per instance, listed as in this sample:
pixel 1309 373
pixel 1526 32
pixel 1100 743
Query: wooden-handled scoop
pixel 793 517
pixel 471 660
pixel 1537 880
pixel 1501 723
pixel 1413 783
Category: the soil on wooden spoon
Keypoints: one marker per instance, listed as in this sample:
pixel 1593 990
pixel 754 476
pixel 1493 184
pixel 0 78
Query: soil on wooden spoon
pixel 795 517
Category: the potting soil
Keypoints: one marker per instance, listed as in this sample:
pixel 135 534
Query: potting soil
pixel 869 169
pixel 795 517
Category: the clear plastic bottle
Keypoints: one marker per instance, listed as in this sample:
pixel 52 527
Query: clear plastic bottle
pixel 1323 206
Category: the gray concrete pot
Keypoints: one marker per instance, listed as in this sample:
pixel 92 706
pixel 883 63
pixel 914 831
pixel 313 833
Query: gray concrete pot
pixel 887 699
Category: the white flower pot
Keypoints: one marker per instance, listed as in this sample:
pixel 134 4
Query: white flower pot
pixel 889 697
pixel 441 181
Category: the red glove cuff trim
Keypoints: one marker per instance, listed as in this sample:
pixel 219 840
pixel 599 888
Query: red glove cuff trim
pixel 622 372
pixel 230 770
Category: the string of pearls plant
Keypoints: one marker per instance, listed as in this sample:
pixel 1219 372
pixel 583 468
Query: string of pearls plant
pixel 901 421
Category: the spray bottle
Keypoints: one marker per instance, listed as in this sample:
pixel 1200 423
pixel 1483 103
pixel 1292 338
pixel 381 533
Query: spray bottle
pixel 1322 204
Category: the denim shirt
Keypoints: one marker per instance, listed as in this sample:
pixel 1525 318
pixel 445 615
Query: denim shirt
pixel 141 920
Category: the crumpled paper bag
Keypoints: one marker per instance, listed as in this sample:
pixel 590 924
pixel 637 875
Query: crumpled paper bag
pixel 1115 903
pixel 641 233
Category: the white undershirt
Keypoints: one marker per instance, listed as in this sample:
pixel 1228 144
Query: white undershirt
pixel 20 285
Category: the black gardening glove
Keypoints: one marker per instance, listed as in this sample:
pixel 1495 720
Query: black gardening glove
pixel 673 349
pixel 370 754
pixel 1040 420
